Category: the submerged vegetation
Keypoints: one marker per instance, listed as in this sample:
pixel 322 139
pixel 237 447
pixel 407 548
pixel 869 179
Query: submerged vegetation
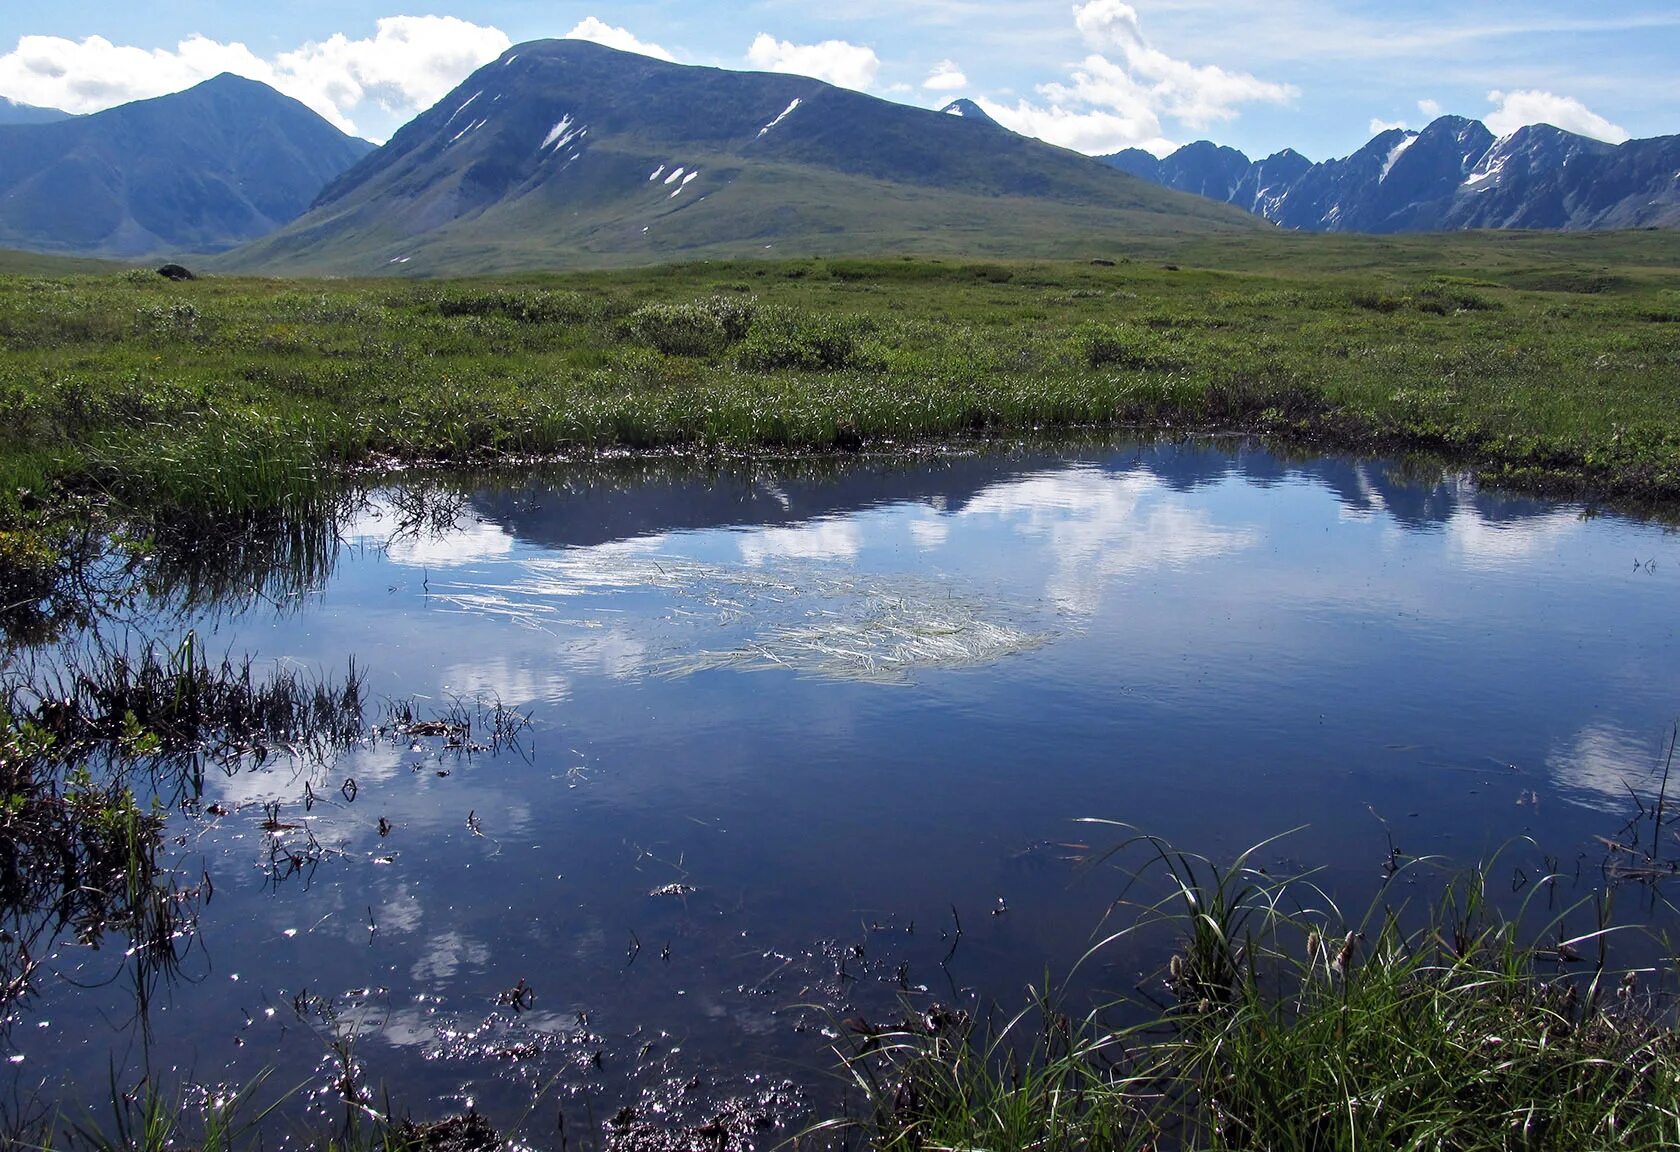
pixel 1280 1023
pixel 94 753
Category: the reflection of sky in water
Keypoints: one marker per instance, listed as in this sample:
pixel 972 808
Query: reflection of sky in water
pixel 949 661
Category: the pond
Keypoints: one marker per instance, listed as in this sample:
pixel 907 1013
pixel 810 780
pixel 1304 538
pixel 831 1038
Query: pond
pixel 808 738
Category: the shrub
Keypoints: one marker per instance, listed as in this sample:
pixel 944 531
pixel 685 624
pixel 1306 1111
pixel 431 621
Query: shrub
pixel 679 329
pixel 789 338
pixel 28 568
pixel 532 306
pixel 702 328
pixel 1374 301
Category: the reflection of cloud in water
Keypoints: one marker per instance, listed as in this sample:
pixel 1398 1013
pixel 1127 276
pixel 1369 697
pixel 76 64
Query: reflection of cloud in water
pixel 399 910
pixel 1102 525
pixel 1606 763
pixel 469 544
pixel 501 678
pixel 446 954
pixel 819 540
pixel 930 533
pixel 1485 544
pixel 283 778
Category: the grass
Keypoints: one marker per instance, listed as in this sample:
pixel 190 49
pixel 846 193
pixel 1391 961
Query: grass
pixel 1280 1024
pixel 209 406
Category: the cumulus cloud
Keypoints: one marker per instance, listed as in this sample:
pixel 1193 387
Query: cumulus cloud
pixel 836 61
pixel 1119 94
pixel 945 77
pixel 1430 108
pixel 1379 125
pixel 1513 110
pixel 405 67
pixel 600 32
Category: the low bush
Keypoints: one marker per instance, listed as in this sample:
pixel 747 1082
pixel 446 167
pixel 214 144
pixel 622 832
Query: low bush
pixel 702 328
pixel 790 338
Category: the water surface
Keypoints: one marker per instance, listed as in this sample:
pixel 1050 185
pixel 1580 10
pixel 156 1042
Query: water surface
pixel 845 708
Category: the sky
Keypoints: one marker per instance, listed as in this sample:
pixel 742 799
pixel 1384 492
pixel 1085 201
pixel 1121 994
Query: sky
pixel 1319 76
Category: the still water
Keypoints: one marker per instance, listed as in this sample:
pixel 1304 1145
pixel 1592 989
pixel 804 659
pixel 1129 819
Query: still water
pixel 794 725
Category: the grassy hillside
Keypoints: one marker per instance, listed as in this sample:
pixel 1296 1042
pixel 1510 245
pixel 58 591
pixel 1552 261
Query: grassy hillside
pixel 767 212
pixel 15 263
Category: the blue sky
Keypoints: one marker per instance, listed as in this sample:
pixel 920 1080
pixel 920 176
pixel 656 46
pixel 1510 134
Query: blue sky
pixel 1317 75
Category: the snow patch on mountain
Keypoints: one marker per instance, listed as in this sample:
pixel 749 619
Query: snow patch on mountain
pixel 1491 166
pixel 554 133
pixel 462 108
pixel 786 112
pixel 1394 155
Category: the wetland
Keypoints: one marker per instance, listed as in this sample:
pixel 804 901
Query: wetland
pixel 701 706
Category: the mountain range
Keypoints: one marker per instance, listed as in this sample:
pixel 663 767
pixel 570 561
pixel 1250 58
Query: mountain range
pixel 564 152
pixel 197 171
pixel 1454 174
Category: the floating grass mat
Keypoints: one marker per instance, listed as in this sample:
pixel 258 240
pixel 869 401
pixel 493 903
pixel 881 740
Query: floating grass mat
pixel 879 638
pixel 810 618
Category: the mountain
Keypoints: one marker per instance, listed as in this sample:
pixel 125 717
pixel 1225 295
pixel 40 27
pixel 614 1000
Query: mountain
pixel 1453 174
pixel 564 153
pixel 196 171
pixel 12 112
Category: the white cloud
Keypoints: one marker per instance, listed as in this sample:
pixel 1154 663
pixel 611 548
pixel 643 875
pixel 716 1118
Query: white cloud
pixel 945 77
pixel 406 66
pixel 1118 95
pixel 1517 108
pixel 1430 108
pixel 598 31
pixel 1093 131
pixel 836 61
pixel 410 63
pixel 1379 125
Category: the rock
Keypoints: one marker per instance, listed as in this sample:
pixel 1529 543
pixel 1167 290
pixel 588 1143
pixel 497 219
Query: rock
pixel 176 272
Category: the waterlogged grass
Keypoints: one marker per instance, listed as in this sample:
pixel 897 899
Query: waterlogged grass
pixel 1281 1024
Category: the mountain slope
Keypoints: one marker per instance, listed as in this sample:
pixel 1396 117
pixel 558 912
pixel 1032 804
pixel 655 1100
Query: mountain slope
pixel 564 153
pixel 196 171
pixel 12 112
pixel 1453 174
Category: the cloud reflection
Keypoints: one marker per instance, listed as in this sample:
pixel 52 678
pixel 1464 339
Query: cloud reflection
pixel 1101 526
pixel 1486 543
pixel 1605 763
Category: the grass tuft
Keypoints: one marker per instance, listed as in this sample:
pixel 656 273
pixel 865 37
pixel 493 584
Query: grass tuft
pixel 1278 1023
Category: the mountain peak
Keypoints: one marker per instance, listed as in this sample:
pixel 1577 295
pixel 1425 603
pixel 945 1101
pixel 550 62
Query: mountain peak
pixel 967 110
